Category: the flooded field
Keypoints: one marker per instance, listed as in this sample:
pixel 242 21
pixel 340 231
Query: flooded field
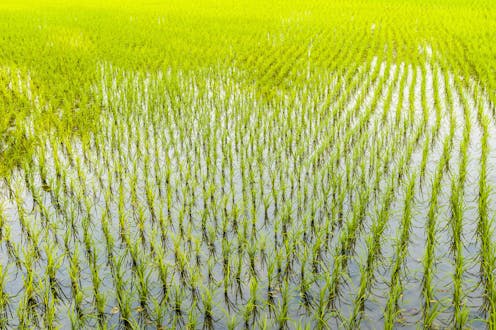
pixel 300 173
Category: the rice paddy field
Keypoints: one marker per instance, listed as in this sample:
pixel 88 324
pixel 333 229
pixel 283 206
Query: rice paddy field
pixel 231 164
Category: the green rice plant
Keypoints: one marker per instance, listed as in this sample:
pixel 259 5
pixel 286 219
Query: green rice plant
pixel 124 300
pixel 321 311
pixel 177 305
pixel 281 312
pixel 4 298
pixel 74 271
pixel 143 278
pixel 53 264
pixel 49 309
pixel 26 311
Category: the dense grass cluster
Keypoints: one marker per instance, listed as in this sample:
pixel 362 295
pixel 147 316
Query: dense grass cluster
pixel 247 164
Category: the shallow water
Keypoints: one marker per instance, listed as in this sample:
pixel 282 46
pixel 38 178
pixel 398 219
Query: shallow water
pixel 225 179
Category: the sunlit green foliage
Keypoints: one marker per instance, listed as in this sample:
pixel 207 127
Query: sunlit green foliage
pixel 247 164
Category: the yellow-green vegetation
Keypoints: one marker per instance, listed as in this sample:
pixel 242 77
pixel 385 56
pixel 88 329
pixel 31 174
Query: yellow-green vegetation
pixel 247 164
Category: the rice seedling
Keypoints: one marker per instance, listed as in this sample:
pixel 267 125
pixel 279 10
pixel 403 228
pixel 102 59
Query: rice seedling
pixel 219 164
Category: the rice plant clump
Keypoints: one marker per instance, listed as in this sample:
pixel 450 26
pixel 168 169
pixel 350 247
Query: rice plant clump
pixel 247 164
